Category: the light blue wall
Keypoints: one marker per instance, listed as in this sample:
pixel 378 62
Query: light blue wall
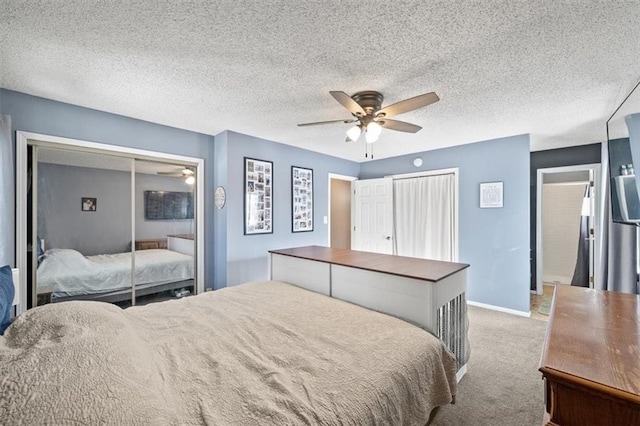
pixel 247 255
pixel 495 242
pixel 63 224
pixel 39 115
pixel 220 215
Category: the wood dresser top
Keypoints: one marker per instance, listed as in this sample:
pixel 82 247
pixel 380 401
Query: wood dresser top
pixel 593 337
pixel 410 267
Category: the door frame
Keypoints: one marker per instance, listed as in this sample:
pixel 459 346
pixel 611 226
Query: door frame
pixel 595 168
pixel 22 141
pixel 338 177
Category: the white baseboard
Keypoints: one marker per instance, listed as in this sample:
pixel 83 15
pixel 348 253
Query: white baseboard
pixel 500 309
pixel 461 372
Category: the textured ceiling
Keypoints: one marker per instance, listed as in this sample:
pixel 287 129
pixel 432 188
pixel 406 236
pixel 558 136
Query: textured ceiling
pixel 554 69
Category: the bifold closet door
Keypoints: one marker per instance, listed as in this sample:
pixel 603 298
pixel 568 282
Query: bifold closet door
pixel 164 231
pixel 80 237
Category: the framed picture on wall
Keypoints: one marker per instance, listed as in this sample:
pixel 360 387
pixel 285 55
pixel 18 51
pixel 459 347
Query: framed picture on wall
pixel 491 196
pixel 301 199
pixel 258 196
pixel 89 204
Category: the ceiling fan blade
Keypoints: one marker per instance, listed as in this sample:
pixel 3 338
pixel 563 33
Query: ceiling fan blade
pixel 400 126
pixel 410 104
pixel 347 102
pixel 328 122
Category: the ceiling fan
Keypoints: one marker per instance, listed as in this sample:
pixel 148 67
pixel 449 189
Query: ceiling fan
pixel 370 117
pixel 185 173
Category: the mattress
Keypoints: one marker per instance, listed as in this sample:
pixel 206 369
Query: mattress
pixel 69 273
pixel 263 353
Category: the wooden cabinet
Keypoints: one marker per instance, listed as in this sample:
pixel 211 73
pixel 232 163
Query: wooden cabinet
pixel 158 243
pixel 591 358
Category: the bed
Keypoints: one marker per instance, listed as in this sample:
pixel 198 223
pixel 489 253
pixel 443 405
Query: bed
pixel 69 275
pixel 262 353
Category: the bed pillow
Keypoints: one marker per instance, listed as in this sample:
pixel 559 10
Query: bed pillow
pixel 7 292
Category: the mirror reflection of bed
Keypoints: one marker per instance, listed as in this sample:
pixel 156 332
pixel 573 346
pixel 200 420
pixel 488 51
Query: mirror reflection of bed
pixel 135 247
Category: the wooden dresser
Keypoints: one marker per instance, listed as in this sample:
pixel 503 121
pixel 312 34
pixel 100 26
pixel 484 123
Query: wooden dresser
pixel 591 358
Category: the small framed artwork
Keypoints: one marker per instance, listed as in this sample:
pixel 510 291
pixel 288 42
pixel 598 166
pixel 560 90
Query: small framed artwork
pixel 89 204
pixel 491 195
pixel 258 196
pixel 301 199
pixel 219 197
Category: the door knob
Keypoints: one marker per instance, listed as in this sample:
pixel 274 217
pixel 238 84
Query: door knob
pixel 387 238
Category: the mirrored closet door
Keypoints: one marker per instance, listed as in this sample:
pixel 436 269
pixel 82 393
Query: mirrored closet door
pixel 83 205
pixel 110 228
pixel 164 231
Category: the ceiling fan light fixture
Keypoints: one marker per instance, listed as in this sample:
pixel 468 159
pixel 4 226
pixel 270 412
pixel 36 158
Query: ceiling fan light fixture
pixel 371 137
pixel 374 128
pixel 373 132
pixel 354 133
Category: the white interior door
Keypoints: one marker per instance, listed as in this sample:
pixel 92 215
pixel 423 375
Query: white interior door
pixel 373 215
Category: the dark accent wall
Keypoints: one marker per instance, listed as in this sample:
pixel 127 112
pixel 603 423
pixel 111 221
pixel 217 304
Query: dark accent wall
pixel 562 157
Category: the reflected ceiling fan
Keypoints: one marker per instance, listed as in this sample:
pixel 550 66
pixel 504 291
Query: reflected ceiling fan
pixel 370 117
pixel 185 173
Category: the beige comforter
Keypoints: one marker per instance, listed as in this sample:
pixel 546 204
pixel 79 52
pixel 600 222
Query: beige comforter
pixel 257 354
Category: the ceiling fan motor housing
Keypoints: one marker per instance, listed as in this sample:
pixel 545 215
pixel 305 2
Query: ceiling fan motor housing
pixel 369 100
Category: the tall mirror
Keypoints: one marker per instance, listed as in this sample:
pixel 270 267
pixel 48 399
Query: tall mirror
pixel 83 241
pixel 164 221
pixel 109 228
pixel 623 134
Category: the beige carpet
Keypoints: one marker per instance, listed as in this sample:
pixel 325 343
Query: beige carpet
pixel 503 385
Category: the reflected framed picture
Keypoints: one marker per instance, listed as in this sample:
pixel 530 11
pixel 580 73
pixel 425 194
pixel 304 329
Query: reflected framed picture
pixel 258 196
pixel 301 199
pixel 89 204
